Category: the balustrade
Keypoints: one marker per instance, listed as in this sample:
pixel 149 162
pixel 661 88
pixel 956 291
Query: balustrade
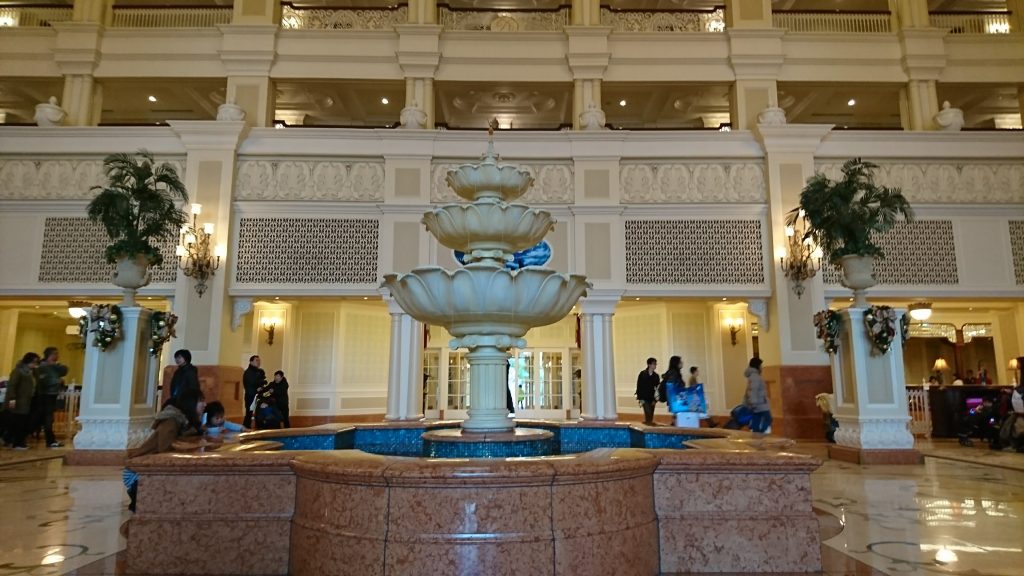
pixel 552 20
pixel 920 412
pixel 170 17
pixel 841 22
pixel 664 20
pixel 972 22
pixel 343 18
pixel 33 15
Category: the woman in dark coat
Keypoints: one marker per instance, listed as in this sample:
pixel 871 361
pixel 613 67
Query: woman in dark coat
pixel 647 389
pixel 673 374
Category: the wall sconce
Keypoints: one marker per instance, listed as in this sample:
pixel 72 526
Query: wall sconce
pixel 269 325
pixel 77 308
pixel 920 311
pixel 195 256
pixel 735 326
pixel 800 259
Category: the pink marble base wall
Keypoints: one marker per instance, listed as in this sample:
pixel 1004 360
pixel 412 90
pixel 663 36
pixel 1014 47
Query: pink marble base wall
pixel 212 514
pixel 791 390
pixel 729 512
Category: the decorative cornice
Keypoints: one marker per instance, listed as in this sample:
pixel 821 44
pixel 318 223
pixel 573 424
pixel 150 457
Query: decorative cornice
pixel 797 138
pixel 208 134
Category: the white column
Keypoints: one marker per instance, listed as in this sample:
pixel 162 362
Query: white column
pixel 870 389
pixel 599 401
pixel 405 374
pixel 488 409
pixel 117 393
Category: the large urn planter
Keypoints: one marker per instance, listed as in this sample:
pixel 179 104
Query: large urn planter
pixel 132 273
pixel 858 275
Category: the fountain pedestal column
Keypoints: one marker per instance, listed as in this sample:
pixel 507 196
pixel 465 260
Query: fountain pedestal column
pixel 488 382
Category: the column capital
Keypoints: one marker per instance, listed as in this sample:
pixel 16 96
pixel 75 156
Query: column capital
pixel 600 301
pixel 77 49
pixel 419 49
pixel 796 138
pixel 214 135
pixel 924 52
pixel 756 54
pixel 248 49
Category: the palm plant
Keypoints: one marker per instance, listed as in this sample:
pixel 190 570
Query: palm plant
pixel 139 205
pixel 843 215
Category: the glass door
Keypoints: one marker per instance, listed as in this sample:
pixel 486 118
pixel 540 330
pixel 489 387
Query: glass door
pixel 539 382
pixel 431 383
pixel 458 385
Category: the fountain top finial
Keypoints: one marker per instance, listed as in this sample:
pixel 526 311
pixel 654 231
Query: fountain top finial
pixel 492 125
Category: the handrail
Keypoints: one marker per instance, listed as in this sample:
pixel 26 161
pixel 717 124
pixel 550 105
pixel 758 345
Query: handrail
pixel 170 16
pixel 33 15
pixel 863 22
pixel 343 18
pixel 546 19
pixel 972 22
pixel 664 20
pixel 558 8
pixel 301 6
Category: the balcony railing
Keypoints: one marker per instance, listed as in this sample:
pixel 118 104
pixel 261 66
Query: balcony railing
pixel 972 22
pixel 342 18
pixel 837 22
pixel 664 20
pixel 33 15
pixel 170 17
pixel 553 20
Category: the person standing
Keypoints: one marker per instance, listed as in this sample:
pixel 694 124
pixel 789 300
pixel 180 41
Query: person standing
pixel 186 378
pixel 647 388
pixel 21 387
pixel 253 378
pixel 756 397
pixel 281 397
pixel 49 380
pixel 694 378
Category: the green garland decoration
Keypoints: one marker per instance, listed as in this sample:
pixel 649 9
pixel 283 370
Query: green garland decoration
pixel 83 329
pixel 905 328
pixel 161 329
pixel 880 322
pixel 829 323
pixel 107 320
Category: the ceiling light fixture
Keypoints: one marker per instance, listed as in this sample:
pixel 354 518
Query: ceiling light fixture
pixel 385 101
pixel 622 102
pixel 152 98
pixel 920 311
pixel 851 102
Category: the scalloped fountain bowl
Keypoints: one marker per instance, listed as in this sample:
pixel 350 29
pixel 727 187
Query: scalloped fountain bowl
pixel 489 181
pixel 484 300
pixel 488 226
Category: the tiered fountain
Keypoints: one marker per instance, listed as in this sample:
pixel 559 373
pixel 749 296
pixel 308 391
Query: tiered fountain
pixel 485 305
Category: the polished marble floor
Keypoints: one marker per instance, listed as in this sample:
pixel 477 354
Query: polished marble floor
pixel 945 517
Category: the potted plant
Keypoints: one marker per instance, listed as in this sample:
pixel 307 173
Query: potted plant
pixel 137 207
pixel 844 215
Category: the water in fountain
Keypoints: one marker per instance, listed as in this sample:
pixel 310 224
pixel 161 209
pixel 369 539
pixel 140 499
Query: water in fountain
pixel 487 307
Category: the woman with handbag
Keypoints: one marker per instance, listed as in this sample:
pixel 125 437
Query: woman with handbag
pixel 756 398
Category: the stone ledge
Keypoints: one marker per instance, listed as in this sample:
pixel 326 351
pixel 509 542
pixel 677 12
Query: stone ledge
pixel 875 457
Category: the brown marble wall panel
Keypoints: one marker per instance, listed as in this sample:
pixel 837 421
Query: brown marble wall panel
pixel 632 551
pixel 750 493
pixel 231 495
pixel 713 543
pixel 470 558
pixel 791 390
pixel 320 551
pixel 221 383
pixel 464 513
pixel 213 544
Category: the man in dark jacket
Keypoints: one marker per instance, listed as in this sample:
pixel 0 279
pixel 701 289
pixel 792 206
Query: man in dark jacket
pixel 20 388
pixel 253 378
pixel 186 377
pixel 647 389
pixel 49 380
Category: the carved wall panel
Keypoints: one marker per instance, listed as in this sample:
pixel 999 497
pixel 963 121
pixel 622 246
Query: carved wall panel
pixel 666 21
pixel 53 179
pixel 73 253
pixel 343 18
pixel 553 184
pixel 310 180
pixel 307 251
pixel 694 252
pixel 652 183
pixel 920 252
pixel 948 183
pixel 1017 245
pixel 505 21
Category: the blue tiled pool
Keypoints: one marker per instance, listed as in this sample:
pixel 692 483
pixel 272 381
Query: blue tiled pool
pixel 409 442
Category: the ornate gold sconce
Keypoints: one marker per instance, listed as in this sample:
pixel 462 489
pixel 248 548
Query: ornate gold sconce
pixel 800 259
pixel 196 257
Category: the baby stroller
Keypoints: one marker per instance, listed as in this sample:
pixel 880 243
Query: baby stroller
pixel 739 417
pixel 981 422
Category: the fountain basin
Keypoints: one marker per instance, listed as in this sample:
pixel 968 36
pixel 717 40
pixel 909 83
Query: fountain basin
pixel 489 181
pixel 482 300
pixel 496 227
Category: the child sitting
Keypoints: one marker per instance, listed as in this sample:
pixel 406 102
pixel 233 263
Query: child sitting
pixel 214 423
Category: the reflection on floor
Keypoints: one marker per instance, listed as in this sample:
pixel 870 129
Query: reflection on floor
pixel 945 517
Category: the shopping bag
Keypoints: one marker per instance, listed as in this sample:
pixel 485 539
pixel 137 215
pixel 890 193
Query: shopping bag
pixel 687 399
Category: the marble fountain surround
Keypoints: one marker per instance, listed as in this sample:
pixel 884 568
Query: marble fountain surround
pixel 308 502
